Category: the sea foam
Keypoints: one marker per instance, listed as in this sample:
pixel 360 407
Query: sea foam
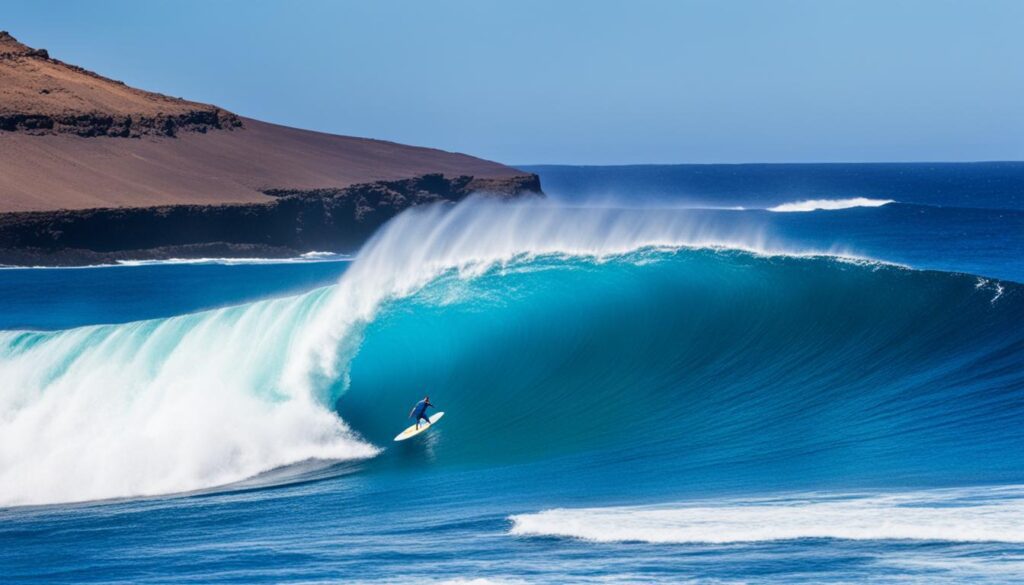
pixel 829 204
pixel 955 515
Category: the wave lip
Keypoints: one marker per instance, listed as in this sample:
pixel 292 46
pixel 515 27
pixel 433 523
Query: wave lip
pixel 829 204
pixel 993 514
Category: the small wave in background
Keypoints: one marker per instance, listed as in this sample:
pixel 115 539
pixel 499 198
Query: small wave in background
pixel 829 204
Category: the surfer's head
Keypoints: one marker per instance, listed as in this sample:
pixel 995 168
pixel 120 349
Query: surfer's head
pixel 426 398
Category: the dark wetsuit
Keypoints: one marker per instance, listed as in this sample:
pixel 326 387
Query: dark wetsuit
pixel 419 412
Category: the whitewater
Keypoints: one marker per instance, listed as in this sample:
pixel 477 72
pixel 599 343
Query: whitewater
pixel 951 515
pixel 828 204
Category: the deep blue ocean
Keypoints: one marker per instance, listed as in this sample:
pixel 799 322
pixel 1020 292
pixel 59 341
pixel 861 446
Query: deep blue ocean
pixel 697 374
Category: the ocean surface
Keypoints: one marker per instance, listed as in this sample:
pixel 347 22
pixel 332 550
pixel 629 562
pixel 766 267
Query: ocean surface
pixel 688 374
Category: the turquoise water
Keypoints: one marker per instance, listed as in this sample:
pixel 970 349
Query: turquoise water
pixel 632 395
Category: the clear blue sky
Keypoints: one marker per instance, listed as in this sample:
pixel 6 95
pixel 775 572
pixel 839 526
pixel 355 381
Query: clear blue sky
pixel 582 82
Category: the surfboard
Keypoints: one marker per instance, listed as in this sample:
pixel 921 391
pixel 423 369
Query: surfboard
pixel 412 431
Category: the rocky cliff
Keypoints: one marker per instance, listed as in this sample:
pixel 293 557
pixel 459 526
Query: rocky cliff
pixel 93 170
pixel 294 222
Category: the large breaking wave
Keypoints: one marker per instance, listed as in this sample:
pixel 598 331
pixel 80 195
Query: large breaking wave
pixel 711 347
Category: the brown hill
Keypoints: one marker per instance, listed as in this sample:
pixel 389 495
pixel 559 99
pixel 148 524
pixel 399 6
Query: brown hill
pixel 40 95
pixel 72 139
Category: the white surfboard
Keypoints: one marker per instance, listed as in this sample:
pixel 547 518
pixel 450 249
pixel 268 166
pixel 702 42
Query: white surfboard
pixel 412 431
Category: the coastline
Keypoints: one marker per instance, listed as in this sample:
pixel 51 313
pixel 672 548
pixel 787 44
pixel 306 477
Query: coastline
pixel 293 223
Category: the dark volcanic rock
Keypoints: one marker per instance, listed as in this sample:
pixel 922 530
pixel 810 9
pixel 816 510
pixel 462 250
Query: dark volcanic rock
pixel 338 220
pixel 123 126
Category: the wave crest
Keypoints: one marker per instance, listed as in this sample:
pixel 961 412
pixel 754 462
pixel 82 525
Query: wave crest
pixel 829 204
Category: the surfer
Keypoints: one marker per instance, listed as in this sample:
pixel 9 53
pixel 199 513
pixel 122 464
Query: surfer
pixel 419 412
